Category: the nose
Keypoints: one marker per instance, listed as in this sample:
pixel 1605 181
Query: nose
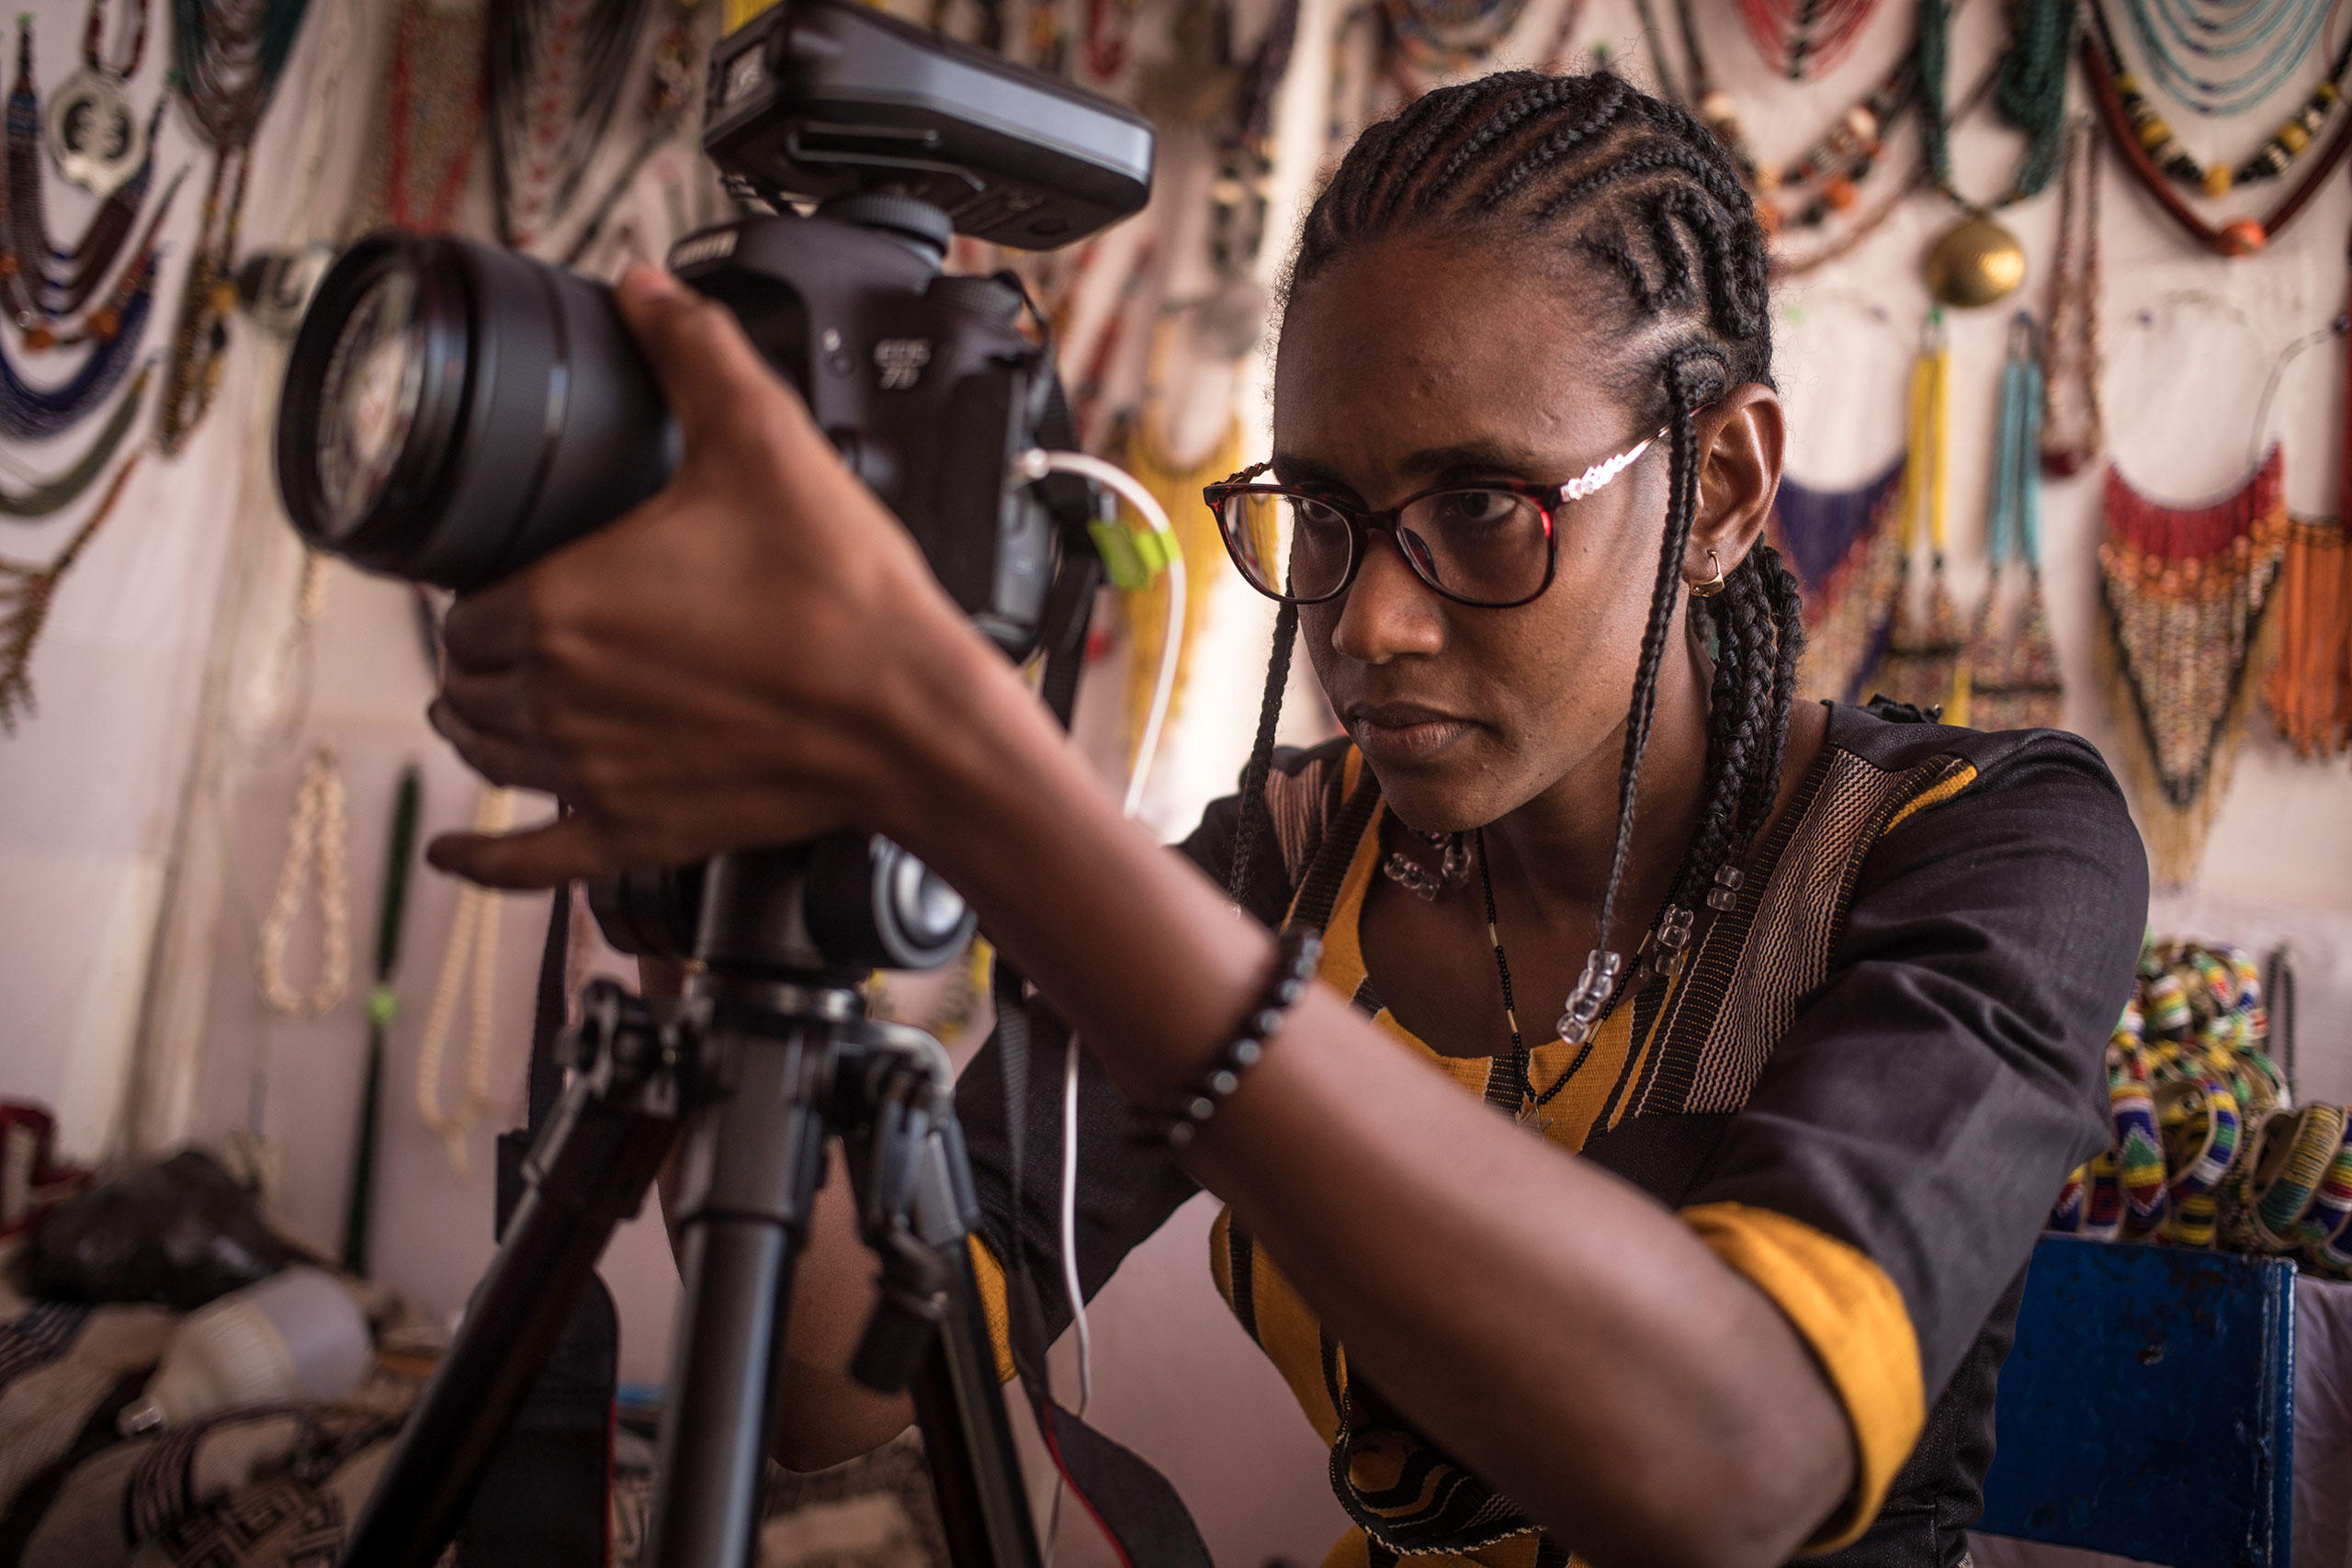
pixel 1387 611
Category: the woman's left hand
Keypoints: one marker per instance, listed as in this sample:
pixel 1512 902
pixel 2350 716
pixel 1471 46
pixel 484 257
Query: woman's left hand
pixel 750 657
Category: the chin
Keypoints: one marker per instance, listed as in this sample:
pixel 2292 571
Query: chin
pixel 1435 798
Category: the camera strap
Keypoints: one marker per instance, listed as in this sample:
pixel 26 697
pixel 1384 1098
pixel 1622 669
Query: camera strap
pixel 1133 1504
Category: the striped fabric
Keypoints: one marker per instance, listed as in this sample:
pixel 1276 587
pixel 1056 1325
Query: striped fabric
pixel 1691 1044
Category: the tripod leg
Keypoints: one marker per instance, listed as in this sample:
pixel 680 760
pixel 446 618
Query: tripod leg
pixel 590 1172
pixel 755 1158
pixel 975 1476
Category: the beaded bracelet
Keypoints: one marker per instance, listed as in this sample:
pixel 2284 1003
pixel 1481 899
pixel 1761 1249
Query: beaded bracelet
pixel 1181 1122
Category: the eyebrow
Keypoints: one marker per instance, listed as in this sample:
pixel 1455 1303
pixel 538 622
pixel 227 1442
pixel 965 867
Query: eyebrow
pixel 1437 463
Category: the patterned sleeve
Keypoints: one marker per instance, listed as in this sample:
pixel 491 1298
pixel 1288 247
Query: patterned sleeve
pixel 1887 1179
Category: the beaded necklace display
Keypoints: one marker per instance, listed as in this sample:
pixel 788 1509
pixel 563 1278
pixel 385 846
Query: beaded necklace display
pixel 2103 68
pixel 1435 39
pixel 1849 565
pixel 2211 34
pixel 36 413
pixel 2185 592
pixel 422 154
pixel 1923 644
pixel 1798 37
pixel 317 844
pixel 41 331
pixel 1978 262
pixel 2074 428
pixel 42 280
pixel 669 92
pixel 2009 679
pixel 2273 158
pixel 2309 690
pixel 96 139
pixel 48 497
pixel 230 54
pixel 557 73
pixel 28 590
pixel 1110 29
pixel 469 973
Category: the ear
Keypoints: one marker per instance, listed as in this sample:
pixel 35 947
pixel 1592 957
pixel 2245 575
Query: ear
pixel 1742 437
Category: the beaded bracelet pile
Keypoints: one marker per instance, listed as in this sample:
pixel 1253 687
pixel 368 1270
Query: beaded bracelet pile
pixel 1181 1122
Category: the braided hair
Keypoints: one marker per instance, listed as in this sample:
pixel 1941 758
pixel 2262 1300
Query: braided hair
pixel 1640 193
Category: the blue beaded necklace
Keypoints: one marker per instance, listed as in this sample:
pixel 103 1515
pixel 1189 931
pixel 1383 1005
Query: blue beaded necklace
pixel 2185 40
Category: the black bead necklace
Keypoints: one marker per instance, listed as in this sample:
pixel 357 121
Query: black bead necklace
pixel 1526 1102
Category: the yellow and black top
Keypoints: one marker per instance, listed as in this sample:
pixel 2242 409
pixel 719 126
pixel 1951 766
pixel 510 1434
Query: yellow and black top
pixel 1860 1089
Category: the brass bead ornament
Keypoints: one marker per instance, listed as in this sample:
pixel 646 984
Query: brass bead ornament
pixel 1977 263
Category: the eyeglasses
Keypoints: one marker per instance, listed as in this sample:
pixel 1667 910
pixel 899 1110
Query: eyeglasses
pixel 1492 545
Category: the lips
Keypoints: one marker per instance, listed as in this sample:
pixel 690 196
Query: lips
pixel 1403 732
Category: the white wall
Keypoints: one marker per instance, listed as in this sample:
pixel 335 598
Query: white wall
pixel 90 791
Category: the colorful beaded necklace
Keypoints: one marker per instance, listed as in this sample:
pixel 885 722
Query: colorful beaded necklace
pixel 43 281
pixel 2182 39
pixel 2103 68
pixel 557 73
pixel 230 54
pixel 2010 679
pixel 28 590
pixel 2072 425
pixel 1798 37
pixel 1977 261
pixel 2185 594
pixel 2272 159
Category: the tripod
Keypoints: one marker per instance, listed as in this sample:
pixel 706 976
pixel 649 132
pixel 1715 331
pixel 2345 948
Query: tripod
pixel 768 1057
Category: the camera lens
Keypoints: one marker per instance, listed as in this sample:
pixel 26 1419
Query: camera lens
pixel 453 411
pixel 368 399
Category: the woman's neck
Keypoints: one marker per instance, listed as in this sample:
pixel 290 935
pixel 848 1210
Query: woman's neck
pixel 1550 857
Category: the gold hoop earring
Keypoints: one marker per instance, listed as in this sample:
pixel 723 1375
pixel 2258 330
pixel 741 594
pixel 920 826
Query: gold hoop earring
pixel 1715 585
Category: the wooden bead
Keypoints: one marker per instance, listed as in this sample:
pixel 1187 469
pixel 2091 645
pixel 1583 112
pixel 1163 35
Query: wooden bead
pixel 40 340
pixel 1838 193
pixel 2217 179
pixel 2243 237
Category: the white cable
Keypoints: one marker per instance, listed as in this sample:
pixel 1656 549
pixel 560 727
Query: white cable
pixel 1035 465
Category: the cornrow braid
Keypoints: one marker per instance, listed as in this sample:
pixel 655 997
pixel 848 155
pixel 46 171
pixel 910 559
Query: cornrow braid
pixel 1254 818
pixel 1659 213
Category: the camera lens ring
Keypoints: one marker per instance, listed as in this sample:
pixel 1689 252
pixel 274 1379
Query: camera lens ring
pixel 419 473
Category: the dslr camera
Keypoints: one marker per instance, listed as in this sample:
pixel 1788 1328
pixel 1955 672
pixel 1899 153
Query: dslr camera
pixel 452 411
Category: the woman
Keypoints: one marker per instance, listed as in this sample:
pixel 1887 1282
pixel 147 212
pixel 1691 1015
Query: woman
pixel 1836 980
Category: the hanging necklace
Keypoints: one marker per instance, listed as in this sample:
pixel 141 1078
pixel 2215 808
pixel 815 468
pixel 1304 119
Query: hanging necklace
pixel 51 496
pixel 41 278
pixel 1923 651
pixel 557 73
pixel 1110 24
pixel 1798 37
pixel 104 322
pixel 432 119
pixel 2185 592
pixel 2210 34
pixel 468 965
pixel 230 54
pixel 2103 64
pixel 1849 565
pixel 316 842
pixel 1454 867
pixel 2073 427
pixel 2009 679
pixel 26 592
pixel 2309 690
pixel 1521 1095
pixel 669 91
pixel 95 138
pixel 2272 159
pixel 1435 39
pixel 36 413
pixel 1978 261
